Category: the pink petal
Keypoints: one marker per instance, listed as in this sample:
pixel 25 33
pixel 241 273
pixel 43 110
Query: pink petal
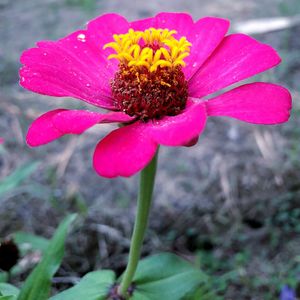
pixel 142 25
pixel 205 36
pixel 76 65
pixel 259 103
pixel 181 129
pixel 52 70
pixel 42 130
pixel 124 151
pixel 102 29
pixel 237 57
pixel 181 22
pixel 56 123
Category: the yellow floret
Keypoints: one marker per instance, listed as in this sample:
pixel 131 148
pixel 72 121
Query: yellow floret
pixel 151 48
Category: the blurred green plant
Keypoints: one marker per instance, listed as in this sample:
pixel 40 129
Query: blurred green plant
pixel 93 286
pixel 288 8
pixel 28 242
pixel 87 5
pixel 8 291
pixel 37 285
pixel 73 201
pixel 162 276
pixel 237 271
pixel 17 177
pixel 286 214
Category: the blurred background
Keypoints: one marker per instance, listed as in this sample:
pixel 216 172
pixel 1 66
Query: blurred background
pixel 230 204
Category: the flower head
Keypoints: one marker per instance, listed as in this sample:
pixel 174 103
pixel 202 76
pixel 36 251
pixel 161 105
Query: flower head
pixel 155 75
pixel 150 83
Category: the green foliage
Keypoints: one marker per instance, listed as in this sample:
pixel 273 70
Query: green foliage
pixel 72 202
pixel 166 276
pixel 7 297
pixel 79 204
pixel 286 214
pixel 27 241
pixel 289 7
pixel 220 274
pixel 8 290
pixel 37 286
pixel 163 276
pixel 15 179
pixel 236 271
pixel 204 293
pixel 88 5
pixel 3 277
pixel 93 286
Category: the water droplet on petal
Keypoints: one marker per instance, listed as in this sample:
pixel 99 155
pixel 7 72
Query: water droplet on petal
pixel 45 53
pixel 81 37
pixel 22 79
pixel 194 65
pixel 88 85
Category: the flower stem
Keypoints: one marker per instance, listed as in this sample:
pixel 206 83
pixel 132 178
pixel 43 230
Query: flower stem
pixel 147 179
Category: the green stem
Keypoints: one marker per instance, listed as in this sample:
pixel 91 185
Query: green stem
pixel 143 207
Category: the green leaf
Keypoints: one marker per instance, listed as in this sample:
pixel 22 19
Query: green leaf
pixel 8 290
pixel 93 286
pixel 172 288
pixel 160 266
pixel 8 297
pixel 139 295
pixel 204 293
pixel 3 276
pixel 37 286
pixel 14 180
pixel 166 276
pixel 24 239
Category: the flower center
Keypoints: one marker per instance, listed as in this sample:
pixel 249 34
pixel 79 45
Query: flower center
pixel 150 83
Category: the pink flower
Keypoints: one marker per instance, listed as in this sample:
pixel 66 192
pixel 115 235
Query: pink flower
pixel 155 75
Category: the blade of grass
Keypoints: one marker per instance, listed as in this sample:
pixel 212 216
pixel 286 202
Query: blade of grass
pixel 38 284
pixel 15 179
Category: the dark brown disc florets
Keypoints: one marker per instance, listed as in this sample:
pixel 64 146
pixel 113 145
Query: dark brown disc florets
pixel 149 95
